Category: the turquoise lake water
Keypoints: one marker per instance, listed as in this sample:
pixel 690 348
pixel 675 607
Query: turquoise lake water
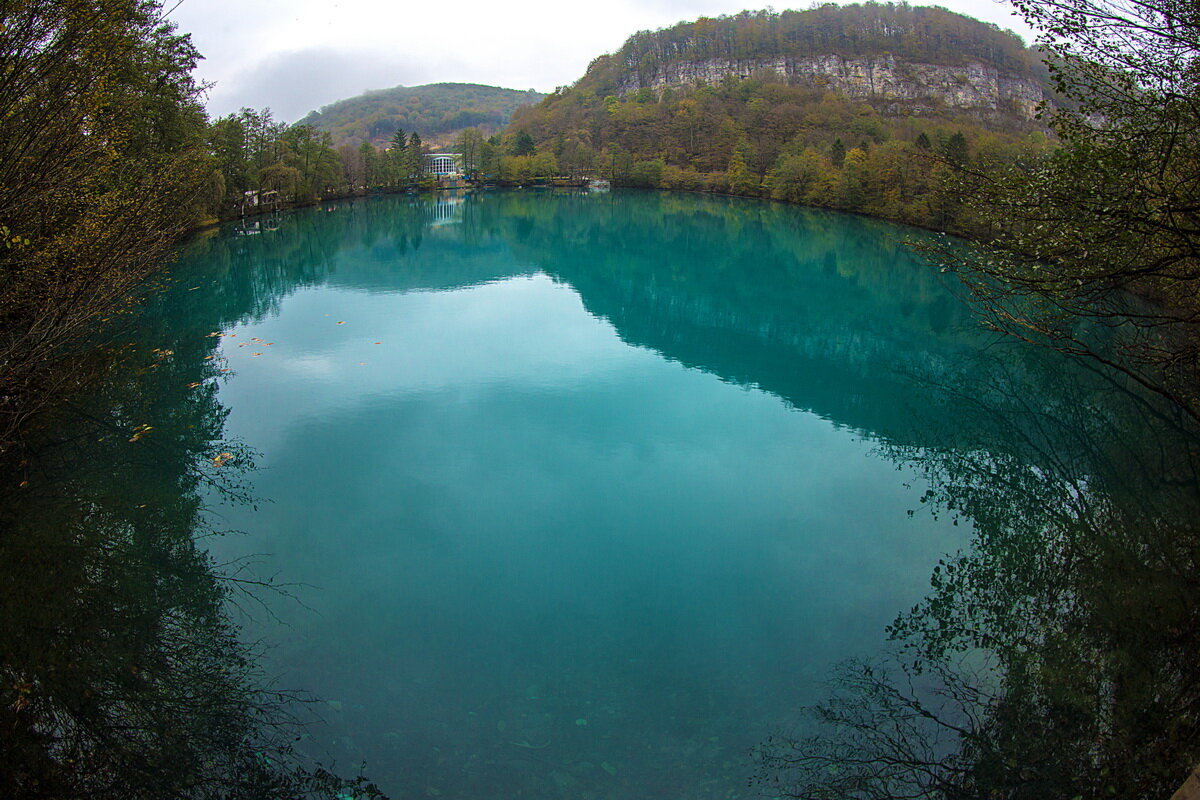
pixel 603 496
pixel 577 495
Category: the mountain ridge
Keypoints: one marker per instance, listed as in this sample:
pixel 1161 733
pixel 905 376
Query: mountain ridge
pixel 437 111
pixel 877 52
pixel 865 108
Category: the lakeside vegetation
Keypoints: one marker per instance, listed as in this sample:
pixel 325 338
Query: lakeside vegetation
pixel 760 137
pixel 758 133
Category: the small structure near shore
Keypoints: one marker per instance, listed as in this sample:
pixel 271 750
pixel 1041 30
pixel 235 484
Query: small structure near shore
pixel 254 200
pixel 442 164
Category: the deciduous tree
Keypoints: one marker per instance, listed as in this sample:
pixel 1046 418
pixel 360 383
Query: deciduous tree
pixel 102 163
pixel 1115 209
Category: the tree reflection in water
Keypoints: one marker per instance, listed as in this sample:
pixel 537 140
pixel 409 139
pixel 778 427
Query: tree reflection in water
pixel 121 674
pixel 1056 657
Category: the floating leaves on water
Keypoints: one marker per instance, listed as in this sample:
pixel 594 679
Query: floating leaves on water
pixel 222 459
pixel 139 432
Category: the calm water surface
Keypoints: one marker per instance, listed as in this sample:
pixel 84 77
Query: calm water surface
pixel 579 496
pixel 587 497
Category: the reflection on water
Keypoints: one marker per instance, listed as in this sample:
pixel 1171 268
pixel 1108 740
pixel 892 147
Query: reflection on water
pixel 1055 656
pixel 586 496
pixel 121 672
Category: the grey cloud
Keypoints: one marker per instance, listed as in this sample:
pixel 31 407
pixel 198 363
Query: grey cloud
pixel 296 82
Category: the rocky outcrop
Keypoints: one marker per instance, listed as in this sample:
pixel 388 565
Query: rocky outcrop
pixel 973 86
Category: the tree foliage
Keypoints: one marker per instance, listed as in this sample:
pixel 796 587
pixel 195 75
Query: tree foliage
pixel 928 34
pixel 1113 214
pixel 1055 655
pixel 762 137
pixel 102 165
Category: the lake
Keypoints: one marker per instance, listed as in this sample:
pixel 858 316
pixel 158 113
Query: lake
pixel 590 495
pixel 576 480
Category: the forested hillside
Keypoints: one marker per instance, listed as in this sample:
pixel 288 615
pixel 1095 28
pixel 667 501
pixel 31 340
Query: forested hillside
pixel 861 108
pixel 912 33
pixel 433 111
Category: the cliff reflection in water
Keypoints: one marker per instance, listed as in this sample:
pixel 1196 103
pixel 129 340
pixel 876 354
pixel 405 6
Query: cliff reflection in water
pixel 1054 657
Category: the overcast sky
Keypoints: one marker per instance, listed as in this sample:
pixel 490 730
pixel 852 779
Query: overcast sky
pixel 295 56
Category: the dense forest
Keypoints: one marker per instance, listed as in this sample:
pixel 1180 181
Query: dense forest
pixel 914 33
pixel 437 111
pixel 762 138
pixel 108 158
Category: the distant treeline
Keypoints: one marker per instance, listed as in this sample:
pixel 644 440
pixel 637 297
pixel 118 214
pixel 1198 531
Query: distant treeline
pixel 297 164
pixel 760 137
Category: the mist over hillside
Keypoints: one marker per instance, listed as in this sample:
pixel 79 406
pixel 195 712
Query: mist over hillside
pixel 436 111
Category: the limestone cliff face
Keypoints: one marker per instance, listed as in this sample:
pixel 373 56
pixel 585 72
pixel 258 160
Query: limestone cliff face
pixel 973 87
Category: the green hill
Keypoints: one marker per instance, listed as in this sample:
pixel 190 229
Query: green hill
pixel 849 107
pixel 436 111
pixel 926 34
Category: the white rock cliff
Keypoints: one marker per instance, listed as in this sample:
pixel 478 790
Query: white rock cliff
pixel 973 86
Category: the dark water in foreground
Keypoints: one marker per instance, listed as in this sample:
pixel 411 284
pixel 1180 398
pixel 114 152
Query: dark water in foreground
pixel 586 496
